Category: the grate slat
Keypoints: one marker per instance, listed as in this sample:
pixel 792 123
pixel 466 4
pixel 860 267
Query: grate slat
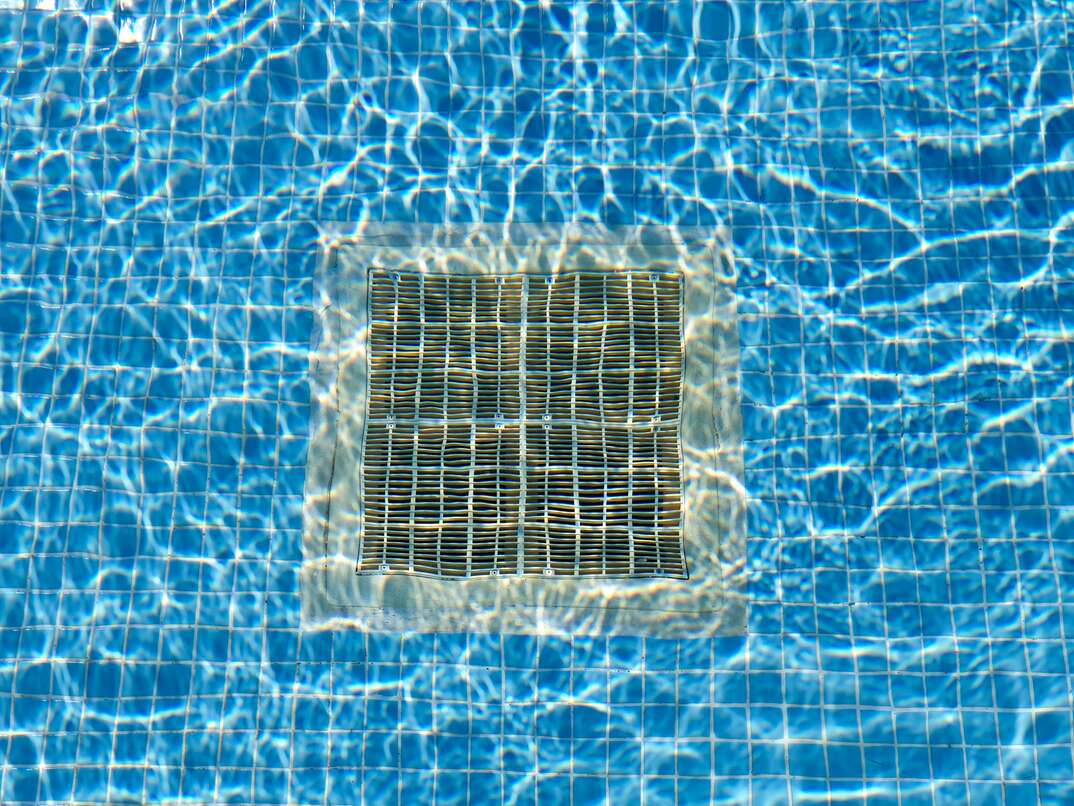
pixel 524 425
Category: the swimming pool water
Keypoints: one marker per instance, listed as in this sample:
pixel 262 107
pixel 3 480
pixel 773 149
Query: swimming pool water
pixel 898 182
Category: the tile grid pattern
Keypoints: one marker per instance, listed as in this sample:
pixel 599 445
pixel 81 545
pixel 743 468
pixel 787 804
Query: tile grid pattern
pixel 895 177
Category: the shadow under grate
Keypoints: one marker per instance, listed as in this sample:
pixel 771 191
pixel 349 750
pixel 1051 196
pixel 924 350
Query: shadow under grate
pixel 524 424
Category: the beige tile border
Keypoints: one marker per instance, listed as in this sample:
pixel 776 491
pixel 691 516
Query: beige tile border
pixel 711 601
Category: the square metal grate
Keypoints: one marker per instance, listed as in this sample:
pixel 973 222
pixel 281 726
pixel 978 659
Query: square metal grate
pixel 523 424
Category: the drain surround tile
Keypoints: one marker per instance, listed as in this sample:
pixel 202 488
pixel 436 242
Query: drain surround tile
pixel 525 429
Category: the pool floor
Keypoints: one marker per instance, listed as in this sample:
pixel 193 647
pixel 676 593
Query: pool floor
pixel 897 181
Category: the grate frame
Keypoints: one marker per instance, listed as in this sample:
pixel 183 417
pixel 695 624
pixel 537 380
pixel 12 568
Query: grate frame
pixel 518 349
pixel 708 600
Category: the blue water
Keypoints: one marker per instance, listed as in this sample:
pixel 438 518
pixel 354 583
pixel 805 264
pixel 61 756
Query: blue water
pixel 898 182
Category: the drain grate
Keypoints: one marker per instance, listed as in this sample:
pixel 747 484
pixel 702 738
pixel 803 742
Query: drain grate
pixel 523 425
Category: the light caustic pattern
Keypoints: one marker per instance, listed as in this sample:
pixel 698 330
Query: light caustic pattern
pixel 896 178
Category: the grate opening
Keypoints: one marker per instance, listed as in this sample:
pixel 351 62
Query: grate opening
pixel 523 425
